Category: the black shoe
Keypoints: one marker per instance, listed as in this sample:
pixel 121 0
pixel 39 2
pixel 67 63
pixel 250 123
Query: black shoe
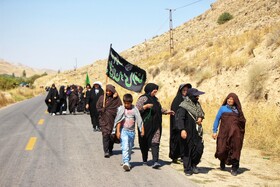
pixel 107 155
pixel 222 165
pixel 233 172
pixel 175 161
pixel 110 153
pixel 195 170
pixel 188 173
pixel 156 165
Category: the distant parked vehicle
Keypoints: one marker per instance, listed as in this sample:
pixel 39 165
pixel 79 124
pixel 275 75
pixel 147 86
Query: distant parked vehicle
pixel 24 84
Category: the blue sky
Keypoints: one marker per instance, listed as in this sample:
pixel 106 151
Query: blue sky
pixel 55 34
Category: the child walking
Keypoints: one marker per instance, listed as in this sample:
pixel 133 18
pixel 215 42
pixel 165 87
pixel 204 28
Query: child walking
pixel 127 117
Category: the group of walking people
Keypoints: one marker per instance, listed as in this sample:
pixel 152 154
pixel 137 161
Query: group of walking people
pixel 118 120
pixel 73 96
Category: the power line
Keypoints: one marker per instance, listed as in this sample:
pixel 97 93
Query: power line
pixel 187 5
pixel 162 25
pixel 171 43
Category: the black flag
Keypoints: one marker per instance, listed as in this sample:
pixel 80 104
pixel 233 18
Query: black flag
pixel 124 73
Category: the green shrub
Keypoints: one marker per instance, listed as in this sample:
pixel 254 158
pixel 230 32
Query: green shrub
pixel 224 17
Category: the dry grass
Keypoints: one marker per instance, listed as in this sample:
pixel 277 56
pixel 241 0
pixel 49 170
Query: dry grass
pixel 261 126
pixel 18 94
pixel 262 131
pixel 273 38
pixel 256 80
pixel 206 73
pixel 4 100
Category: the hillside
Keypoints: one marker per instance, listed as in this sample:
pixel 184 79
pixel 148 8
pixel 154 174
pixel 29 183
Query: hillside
pixel 241 56
pixel 17 69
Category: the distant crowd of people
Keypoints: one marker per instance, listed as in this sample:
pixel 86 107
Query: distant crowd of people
pixel 72 97
pixel 118 120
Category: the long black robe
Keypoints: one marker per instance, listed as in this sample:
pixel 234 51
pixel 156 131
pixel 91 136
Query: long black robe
pixel 152 120
pixel 62 105
pixel 91 100
pixel 73 100
pixel 192 146
pixel 52 96
pixel 174 140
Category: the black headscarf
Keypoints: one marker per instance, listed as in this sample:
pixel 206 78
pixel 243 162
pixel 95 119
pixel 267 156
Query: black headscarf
pixel 62 94
pixel 179 98
pixel 150 87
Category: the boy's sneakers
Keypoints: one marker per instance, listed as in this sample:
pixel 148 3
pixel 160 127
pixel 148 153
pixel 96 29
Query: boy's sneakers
pixel 126 167
pixel 156 165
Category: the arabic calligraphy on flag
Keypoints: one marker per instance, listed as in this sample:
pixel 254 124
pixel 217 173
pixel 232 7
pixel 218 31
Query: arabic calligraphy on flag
pixel 125 74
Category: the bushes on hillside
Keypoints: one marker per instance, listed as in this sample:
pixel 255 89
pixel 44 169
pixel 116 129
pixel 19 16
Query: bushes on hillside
pixel 224 17
pixel 8 82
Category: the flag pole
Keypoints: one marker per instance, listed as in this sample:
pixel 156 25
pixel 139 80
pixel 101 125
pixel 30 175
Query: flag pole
pixel 106 82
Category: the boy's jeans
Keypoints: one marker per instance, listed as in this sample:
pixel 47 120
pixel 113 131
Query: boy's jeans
pixel 127 142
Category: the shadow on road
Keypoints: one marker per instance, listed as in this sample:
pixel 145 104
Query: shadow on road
pixel 204 170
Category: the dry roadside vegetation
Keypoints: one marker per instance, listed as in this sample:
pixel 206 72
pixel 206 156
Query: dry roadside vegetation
pixel 18 94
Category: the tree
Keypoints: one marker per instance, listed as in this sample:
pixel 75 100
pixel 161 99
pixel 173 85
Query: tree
pixel 24 73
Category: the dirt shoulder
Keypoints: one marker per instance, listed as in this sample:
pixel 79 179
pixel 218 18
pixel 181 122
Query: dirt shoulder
pixel 255 169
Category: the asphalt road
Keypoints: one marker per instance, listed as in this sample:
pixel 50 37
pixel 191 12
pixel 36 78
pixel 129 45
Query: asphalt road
pixel 42 150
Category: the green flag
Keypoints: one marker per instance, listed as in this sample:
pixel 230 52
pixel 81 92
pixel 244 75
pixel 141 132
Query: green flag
pixel 87 80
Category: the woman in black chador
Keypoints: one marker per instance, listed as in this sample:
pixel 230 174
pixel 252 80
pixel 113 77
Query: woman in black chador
pixel 174 141
pixel 188 118
pixel 91 101
pixel 107 114
pixel 151 113
pixel 73 99
pixel 51 100
pixel 62 100
pixel 81 100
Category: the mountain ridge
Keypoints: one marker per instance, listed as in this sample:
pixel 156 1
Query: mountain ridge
pixel 17 68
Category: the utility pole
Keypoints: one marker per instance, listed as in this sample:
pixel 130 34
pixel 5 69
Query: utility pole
pixel 171 25
pixel 171 43
pixel 75 67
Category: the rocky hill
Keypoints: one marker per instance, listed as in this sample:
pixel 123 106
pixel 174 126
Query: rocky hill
pixel 241 56
pixel 10 68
